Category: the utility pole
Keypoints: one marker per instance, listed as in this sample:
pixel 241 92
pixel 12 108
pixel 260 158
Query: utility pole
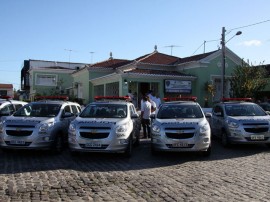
pixel 223 62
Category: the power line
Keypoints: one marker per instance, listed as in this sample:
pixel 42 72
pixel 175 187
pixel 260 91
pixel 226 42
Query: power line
pixel 257 23
pixel 228 31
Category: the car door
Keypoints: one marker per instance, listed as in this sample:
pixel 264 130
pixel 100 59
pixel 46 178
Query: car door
pixel 135 121
pixel 217 120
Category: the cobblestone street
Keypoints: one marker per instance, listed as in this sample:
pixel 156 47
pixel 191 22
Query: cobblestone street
pixel 240 173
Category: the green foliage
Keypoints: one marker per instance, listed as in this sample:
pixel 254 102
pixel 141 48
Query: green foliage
pixel 247 80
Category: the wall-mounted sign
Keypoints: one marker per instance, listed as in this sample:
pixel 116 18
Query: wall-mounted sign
pixel 177 86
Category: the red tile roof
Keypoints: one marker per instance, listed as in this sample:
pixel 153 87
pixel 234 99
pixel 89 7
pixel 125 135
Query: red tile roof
pixel 195 57
pixel 157 72
pixel 158 58
pixel 6 86
pixel 111 63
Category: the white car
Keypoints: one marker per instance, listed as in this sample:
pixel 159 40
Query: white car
pixel 8 107
pixel 108 125
pixel 39 125
pixel 180 126
pixel 240 121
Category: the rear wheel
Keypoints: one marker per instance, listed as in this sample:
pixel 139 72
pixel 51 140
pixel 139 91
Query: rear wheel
pixel 268 145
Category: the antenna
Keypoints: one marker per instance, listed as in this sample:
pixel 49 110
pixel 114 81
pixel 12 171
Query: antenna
pixel 69 53
pixel 91 56
pixel 172 46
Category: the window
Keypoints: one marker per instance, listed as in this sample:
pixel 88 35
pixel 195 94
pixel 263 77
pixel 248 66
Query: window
pixel 7 110
pixel 46 79
pixel 75 109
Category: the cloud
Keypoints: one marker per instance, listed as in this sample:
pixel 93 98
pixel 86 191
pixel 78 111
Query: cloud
pixel 251 43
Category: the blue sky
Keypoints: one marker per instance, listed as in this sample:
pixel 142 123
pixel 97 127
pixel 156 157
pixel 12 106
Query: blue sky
pixel 47 29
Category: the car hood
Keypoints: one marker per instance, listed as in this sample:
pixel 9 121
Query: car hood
pixel 27 120
pixel 249 118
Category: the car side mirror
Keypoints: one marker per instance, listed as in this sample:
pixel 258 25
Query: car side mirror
pixel 208 115
pixel 68 114
pixel 219 114
pixel 152 116
pixel 134 116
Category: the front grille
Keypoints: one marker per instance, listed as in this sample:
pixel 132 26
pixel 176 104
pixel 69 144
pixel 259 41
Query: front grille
pixel 186 128
pixel 256 130
pixel 20 126
pixel 179 135
pixel 103 146
pixel 249 139
pixel 26 144
pixel 19 133
pixel 91 135
pixel 94 128
pixel 172 146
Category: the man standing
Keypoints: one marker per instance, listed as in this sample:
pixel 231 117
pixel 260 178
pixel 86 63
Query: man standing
pixel 145 117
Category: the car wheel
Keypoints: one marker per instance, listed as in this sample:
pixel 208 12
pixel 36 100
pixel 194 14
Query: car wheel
pixel 137 142
pixel 268 145
pixel 129 148
pixel 154 152
pixel 58 144
pixel 207 152
pixel 224 139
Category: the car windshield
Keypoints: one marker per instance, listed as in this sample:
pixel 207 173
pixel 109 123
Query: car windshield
pixel 265 106
pixel 39 110
pixel 104 111
pixel 179 111
pixel 244 110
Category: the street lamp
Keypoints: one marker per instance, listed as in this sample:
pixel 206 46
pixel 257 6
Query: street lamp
pixel 223 42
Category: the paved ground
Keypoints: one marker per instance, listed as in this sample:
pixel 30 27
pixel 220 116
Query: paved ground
pixel 241 173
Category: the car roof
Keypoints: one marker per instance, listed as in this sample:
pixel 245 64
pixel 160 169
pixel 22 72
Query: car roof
pixel 180 102
pixel 111 102
pixel 242 103
pixel 54 102
pixel 12 101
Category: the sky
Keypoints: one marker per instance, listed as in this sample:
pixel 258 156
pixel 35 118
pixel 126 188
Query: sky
pixel 86 31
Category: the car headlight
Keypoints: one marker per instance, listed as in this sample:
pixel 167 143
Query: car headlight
pixel 232 124
pixel 155 128
pixel 122 128
pixel 45 126
pixel 72 129
pixel 204 128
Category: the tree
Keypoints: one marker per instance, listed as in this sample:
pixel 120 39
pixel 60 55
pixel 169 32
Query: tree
pixel 247 80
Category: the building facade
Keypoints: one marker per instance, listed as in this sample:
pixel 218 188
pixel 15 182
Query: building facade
pixel 165 75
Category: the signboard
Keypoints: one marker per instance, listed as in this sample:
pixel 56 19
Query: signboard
pixel 177 86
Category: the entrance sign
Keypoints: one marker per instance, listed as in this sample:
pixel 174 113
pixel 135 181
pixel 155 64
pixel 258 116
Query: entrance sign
pixel 177 86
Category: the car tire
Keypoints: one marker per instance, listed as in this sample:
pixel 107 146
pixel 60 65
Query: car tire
pixel 207 152
pixel 58 144
pixel 268 145
pixel 154 152
pixel 224 139
pixel 137 141
pixel 128 151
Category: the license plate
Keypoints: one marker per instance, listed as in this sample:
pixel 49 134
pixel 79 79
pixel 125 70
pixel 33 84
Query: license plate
pixel 180 144
pixel 18 142
pixel 257 137
pixel 93 144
